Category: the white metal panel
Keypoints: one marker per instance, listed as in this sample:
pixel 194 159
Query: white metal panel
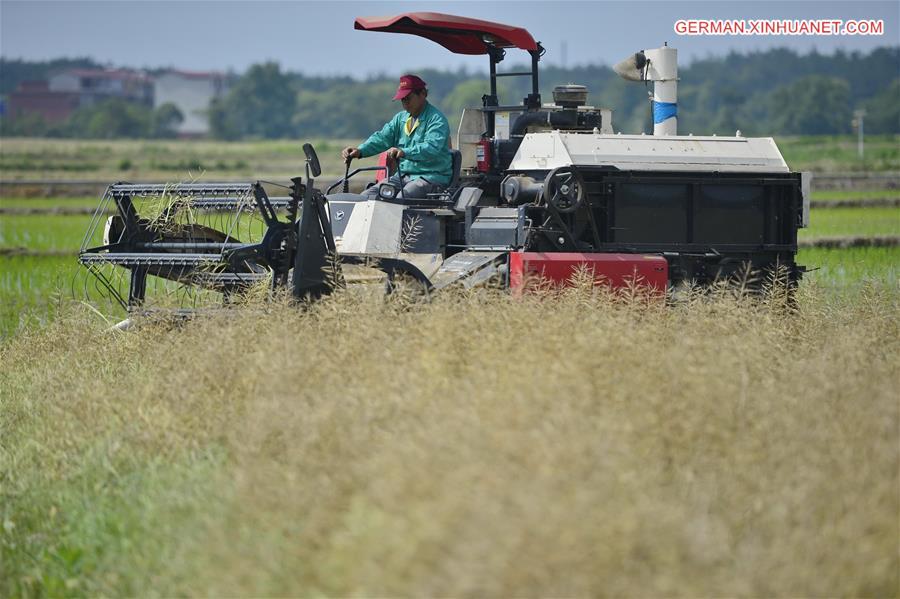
pixel 374 229
pixel 806 191
pixel 471 126
pixel 548 150
pixel 356 233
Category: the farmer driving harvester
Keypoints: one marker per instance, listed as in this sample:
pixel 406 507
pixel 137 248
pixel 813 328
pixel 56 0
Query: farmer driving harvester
pixel 550 192
pixel 416 140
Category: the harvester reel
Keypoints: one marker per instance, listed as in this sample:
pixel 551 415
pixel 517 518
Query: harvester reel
pixel 564 189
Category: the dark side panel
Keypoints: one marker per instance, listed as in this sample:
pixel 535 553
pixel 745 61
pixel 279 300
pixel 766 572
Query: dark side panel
pixel 707 225
pixel 711 209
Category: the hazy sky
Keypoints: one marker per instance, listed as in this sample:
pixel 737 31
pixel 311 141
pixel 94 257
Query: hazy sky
pixel 318 37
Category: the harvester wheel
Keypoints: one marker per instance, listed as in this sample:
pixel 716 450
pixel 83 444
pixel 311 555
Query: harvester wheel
pixel 564 189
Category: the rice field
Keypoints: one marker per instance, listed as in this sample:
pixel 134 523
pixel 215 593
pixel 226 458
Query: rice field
pixel 846 269
pixel 574 444
pixel 38 232
pixel 18 203
pixel 863 222
pixel 49 203
pixel 834 195
pixel 824 154
pixel 478 445
pixel 65 233
pixel 176 160
pixel 28 284
pixel 162 160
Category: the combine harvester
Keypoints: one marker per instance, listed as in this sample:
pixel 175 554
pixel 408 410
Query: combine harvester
pixel 538 189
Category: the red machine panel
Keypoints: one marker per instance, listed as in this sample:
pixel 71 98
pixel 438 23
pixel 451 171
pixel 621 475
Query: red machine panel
pixel 616 270
pixel 381 175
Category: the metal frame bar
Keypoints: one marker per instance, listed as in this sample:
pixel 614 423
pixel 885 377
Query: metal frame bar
pixel 490 103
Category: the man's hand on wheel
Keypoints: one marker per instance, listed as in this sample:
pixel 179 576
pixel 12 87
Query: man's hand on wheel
pixel 394 154
pixel 350 152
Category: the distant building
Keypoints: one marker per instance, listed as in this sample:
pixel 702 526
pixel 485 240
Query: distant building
pixel 35 98
pixel 56 99
pixel 192 93
pixel 95 85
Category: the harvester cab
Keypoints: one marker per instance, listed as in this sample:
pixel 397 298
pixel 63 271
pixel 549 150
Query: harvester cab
pixel 538 188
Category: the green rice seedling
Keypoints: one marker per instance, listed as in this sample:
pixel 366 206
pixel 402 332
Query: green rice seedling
pixel 32 289
pixel 36 232
pixel 48 203
pixel 854 194
pixel 851 267
pixel 838 222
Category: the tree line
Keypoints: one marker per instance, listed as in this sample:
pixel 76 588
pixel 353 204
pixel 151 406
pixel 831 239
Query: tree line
pixel 775 92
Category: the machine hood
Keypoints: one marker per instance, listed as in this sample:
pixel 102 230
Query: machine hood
pixel 544 151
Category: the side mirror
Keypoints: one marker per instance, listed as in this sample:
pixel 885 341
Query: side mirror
pixel 312 159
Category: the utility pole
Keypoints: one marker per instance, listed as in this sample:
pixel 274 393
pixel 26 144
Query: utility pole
pixel 858 117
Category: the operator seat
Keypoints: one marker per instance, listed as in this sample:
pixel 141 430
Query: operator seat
pixel 455 170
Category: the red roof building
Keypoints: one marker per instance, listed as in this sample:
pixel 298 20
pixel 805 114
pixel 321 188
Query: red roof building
pixel 55 100
pixel 35 98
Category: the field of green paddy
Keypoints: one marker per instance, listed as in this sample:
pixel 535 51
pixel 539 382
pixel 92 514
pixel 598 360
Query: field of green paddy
pixel 231 457
pixel 852 222
pixel 178 160
pixel 835 195
pixel 825 154
pixel 45 203
pixel 36 233
pixel 40 236
pixel 31 285
pixel 162 160
pixel 19 203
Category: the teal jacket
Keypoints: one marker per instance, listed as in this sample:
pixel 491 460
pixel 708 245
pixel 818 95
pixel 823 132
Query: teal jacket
pixel 426 149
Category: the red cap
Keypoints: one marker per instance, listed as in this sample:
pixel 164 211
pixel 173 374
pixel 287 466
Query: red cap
pixel 408 83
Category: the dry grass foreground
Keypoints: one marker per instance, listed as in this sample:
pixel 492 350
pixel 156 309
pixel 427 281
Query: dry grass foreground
pixel 478 445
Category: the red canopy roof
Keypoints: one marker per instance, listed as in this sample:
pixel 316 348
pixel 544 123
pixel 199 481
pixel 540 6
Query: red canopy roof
pixel 460 35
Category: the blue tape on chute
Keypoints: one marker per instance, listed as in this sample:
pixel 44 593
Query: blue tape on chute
pixel 663 111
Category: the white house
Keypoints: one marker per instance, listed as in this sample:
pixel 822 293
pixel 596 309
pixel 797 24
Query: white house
pixel 191 92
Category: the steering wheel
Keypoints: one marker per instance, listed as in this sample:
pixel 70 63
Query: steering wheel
pixel 564 189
